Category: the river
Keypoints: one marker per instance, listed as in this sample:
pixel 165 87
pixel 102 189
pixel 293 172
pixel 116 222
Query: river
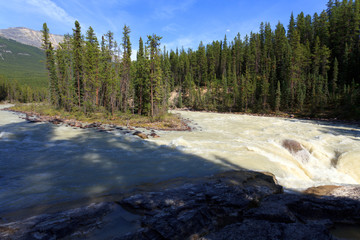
pixel 41 163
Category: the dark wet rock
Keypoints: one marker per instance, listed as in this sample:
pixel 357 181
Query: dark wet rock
pixel 198 207
pixel 259 229
pixel 140 134
pixel 229 205
pixel 56 121
pixel 93 125
pixel 292 145
pixel 237 205
pixel 154 135
pixel 71 224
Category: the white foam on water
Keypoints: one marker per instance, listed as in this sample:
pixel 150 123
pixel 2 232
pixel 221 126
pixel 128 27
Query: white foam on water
pixel 50 163
pixel 5 135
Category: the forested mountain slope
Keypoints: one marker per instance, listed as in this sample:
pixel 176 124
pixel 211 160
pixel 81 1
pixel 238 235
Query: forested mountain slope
pixel 22 63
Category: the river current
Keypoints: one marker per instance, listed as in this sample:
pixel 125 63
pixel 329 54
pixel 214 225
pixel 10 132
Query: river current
pixel 41 163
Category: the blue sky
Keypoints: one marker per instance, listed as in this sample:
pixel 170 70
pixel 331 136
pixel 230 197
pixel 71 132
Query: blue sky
pixel 181 23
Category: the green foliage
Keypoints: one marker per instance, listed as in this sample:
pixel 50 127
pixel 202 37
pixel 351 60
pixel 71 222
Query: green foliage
pixel 311 67
pixel 23 63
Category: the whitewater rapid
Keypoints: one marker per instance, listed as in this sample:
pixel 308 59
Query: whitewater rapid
pixel 41 163
pixel 330 155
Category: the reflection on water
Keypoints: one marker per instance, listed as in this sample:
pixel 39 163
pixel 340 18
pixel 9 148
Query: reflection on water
pixel 42 163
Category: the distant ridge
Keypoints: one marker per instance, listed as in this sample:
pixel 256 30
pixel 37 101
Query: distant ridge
pixel 23 63
pixel 29 37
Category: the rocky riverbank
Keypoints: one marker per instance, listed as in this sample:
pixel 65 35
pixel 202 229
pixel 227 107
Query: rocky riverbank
pixel 144 133
pixel 230 205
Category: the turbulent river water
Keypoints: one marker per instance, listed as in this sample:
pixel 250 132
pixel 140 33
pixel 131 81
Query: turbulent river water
pixel 41 163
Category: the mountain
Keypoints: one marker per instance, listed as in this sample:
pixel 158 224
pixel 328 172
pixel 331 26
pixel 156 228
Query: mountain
pixel 28 36
pixel 23 63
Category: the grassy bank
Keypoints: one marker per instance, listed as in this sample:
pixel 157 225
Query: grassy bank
pixel 165 122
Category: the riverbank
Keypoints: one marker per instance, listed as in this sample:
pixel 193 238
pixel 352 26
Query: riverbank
pixel 286 115
pixel 101 121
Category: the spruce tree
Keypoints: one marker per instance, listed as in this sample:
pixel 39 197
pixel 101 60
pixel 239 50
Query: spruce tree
pixel 155 75
pixel 278 97
pixel 126 66
pixel 54 94
pixel 141 81
pixel 91 71
pixel 78 61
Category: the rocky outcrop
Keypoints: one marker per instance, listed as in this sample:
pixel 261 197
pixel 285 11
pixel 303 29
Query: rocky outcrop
pixel 352 192
pixel 73 223
pixel 230 205
pixel 29 37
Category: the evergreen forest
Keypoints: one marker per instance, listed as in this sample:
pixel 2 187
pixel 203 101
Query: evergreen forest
pixel 311 66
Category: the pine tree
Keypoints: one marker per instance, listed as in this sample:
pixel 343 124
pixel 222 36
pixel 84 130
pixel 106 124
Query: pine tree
pixel 78 61
pixel 126 66
pixel 335 78
pixel 91 71
pixel 65 76
pixel 141 81
pixel 278 97
pixel 50 65
pixel 155 75
pixel 291 27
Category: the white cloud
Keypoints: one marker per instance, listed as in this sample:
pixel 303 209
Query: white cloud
pixel 166 11
pixel 50 9
pixel 186 42
pixel 134 54
pixel 172 28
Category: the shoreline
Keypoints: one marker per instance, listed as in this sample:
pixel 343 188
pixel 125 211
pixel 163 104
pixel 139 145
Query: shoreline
pixel 282 115
pixel 140 131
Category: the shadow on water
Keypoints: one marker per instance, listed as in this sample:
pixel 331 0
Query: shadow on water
pixel 42 171
pixel 334 127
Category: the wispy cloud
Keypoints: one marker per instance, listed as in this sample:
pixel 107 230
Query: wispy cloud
pixel 171 28
pixel 50 9
pixel 170 8
pixel 185 42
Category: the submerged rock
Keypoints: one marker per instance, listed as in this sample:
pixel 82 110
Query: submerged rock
pixel 140 134
pixel 297 150
pixel 154 135
pixel 292 146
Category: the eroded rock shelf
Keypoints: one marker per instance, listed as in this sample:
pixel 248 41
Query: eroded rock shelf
pixel 230 205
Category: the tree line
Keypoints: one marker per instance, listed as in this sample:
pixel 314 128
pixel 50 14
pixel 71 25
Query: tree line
pixel 13 91
pixel 311 66
pixel 86 75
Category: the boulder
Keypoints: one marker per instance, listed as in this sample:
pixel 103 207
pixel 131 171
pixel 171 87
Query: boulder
pixel 140 134
pixel 228 205
pixel 321 190
pixel 292 146
pixel 154 135
pixel 70 224
pixel 259 229
pixel 350 191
